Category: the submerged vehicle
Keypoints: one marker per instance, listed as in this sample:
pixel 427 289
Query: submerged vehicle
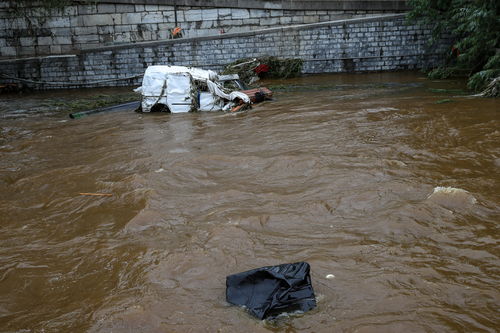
pixel 178 89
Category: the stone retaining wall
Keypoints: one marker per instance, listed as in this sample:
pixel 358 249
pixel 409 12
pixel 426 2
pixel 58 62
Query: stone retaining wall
pixel 367 44
pixel 83 26
pixel 388 5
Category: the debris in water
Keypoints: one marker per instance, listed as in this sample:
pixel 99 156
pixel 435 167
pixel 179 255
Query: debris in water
pixel 493 88
pixel 179 89
pixel 395 163
pixel 442 101
pixel 250 70
pixel 120 107
pixel 330 276
pixel 270 291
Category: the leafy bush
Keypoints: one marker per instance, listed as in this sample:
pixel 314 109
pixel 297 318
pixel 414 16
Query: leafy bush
pixel 475 24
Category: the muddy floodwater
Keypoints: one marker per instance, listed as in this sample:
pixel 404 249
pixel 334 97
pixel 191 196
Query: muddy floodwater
pixel 387 183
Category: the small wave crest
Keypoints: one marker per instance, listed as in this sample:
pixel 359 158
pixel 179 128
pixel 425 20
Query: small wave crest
pixel 452 198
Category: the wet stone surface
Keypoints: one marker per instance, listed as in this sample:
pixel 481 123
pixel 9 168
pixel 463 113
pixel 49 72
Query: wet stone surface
pixel 392 199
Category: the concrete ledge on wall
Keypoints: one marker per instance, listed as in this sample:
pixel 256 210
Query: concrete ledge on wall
pixel 387 5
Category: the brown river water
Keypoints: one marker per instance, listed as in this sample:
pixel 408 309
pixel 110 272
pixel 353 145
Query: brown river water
pixel 363 176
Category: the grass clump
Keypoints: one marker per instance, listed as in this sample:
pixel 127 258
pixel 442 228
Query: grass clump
pixel 91 102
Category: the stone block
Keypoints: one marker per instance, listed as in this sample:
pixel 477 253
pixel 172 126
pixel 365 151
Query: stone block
pixel 85 30
pixel 165 26
pixel 125 8
pixel 88 45
pixel 123 38
pixel 124 28
pixel 43 49
pixel 269 21
pixel 62 40
pixel 209 14
pixel 240 13
pixel 169 16
pixel 70 11
pixel 206 24
pixel 134 36
pixel 27 51
pixel 180 17
pixel 253 21
pixel 224 12
pixel 193 15
pixel 276 13
pixel 139 8
pixel 87 9
pixel 146 35
pixel 166 8
pixel 58 22
pixel 131 18
pixel 98 19
pixel 162 34
pixel 311 19
pixel 85 39
pixel 55 49
pixel 116 18
pixel 67 48
pixel 105 29
pixel 106 8
pixel 285 20
pixel 225 23
pixel 61 32
pixel 3 24
pixel 26 41
pixel 259 13
pixel 76 21
pixel 43 41
pixel 153 17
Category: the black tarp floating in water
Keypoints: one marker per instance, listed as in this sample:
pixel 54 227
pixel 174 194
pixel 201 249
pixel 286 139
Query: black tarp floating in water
pixel 269 291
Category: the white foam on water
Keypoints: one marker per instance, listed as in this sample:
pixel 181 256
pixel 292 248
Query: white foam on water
pixel 178 150
pixel 381 109
pixel 452 198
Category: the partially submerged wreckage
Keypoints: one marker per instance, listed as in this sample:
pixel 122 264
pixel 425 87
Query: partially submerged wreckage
pixel 178 89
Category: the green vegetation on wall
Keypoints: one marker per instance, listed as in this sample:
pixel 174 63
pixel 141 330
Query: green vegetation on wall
pixel 475 26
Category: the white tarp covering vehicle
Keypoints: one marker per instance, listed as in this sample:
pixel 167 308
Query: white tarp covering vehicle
pixel 179 89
